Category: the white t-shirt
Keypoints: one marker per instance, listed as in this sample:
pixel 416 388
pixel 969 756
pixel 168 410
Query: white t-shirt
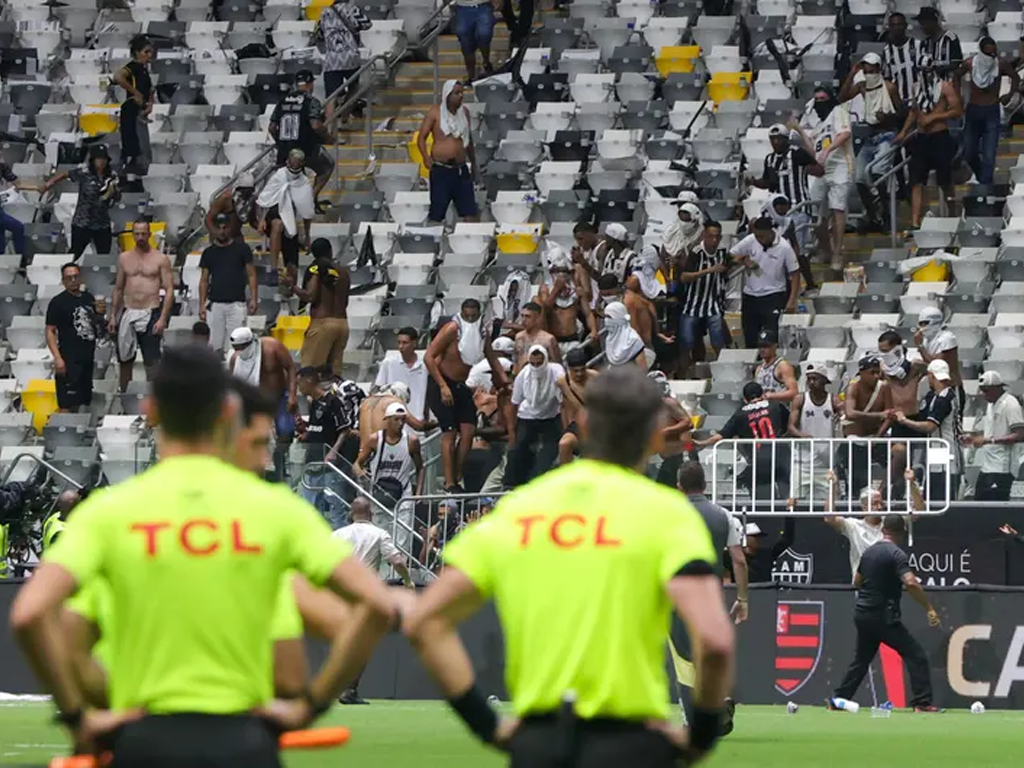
pixel 775 264
pixel 825 132
pixel 552 404
pixel 861 536
pixel 941 342
pixel 1000 418
pixel 372 545
pixel 393 370
pixel 480 375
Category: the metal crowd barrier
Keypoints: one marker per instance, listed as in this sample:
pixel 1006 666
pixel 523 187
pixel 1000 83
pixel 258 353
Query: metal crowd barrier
pixel 439 517
pixel 790 476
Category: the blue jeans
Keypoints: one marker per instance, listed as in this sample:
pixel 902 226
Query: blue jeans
pixel 10 224
pixel 879 144
pixel 474 26
pixel 329 505
pixel 981 139
pixel 692 328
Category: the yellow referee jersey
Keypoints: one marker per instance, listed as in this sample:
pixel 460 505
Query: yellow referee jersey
pixel 576 563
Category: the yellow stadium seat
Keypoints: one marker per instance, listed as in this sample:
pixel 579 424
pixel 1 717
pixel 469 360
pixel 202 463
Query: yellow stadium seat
pixel 932 272
pixel 127 243
pixel 40 399
pixel 696 420
pixel 315 8
pixel 414 153
pixel 97 120
pixel 518 238
pixel 729 86
pixel 672 59
pixel 290 330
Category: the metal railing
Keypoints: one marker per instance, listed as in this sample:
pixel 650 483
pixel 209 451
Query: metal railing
pixel 443 515
pixel 790 476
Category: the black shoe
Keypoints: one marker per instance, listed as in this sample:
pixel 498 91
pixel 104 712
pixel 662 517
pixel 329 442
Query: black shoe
pixel 729 719
pixel 457 488
pixel 351 696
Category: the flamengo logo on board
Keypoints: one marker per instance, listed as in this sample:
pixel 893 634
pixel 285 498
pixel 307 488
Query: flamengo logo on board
pixel 799 636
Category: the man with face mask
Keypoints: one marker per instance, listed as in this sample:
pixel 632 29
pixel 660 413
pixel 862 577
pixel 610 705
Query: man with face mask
pixel 934 103
pixel 686 231
pixel 284 212
pixel 618 256
pixel 935 341
pixel 298 122
pixel 565 311
pixel 882 112
pixel 538 402
pixel 787 167
pixel 982 116
pixel 903 378
pixel 827 133
pixel 772 282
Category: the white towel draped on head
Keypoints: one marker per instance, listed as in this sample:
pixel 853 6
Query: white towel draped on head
pixel 623 343
pixel 292 194
pixel 779 221
pixel 680 236
pixel 556 258
pixel 248 363
pixel 471 340
pixel 454 125
pixel 646 268
pixel 539 386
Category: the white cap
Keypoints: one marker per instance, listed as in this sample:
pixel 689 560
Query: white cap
pixel 940 370
pixel 686 196
pixel 395 409
pixel 616 232
pixel 753 529
pixel 990 379
pixel 242 337
pixel 778 130
pixel 872 58
pixel 503 345
pixel 245 180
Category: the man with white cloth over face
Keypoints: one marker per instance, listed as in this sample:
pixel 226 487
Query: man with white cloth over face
pixel 451 178
pixel 622 344
pixel 683 234
pixel 564 308
pixel 462 343
pixel 537 399
pixel 285 210
pixel 982 118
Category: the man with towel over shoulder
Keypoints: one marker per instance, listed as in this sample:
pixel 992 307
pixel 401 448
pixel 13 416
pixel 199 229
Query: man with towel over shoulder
pixel 451 177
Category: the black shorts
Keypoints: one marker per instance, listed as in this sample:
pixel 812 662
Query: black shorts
pixel 932 152
pixel 184 741
pixel 319 160
pixel 334 80
pixel 146 342
pixel 555 741
pixel 900 431
pixel 451 184
pixel 289 245
pixel 74 388
pixel 461 411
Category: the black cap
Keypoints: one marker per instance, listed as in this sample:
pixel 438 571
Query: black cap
pixel 926 14
pixel 868 361
pixel 767 336
pixel 221 219
pixel 752 390
pixel 98 150
pixel 304 76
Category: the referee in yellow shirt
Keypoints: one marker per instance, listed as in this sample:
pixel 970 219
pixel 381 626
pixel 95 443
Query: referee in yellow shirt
pixel 193 551
pixel 585 565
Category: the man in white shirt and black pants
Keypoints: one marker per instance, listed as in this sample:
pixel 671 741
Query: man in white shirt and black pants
pixel 772 283
pixel 372 546
pixel 538 428
pixel 1001 428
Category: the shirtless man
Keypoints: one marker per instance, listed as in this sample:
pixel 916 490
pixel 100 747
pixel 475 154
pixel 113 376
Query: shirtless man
pixel 935 102
pixel 644 320
pixel 266 363
pixel 459 345
pixel 904 380
pixel 982 116
pixel 238 203
pixel 327 295
pixel 532 318
pixel 563 305
pixel 138 316
pixel 868 401
pixel 574 388
pixel 675 433
pixel 451 179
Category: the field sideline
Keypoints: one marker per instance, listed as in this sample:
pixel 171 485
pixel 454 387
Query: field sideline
pixel 424 735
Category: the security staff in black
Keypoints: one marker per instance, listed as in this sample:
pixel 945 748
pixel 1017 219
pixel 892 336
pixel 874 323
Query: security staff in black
pixel 883 572
pixel 298 123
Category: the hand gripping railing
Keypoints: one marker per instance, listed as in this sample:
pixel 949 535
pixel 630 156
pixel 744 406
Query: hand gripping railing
pixel 447 514
pixel 794 476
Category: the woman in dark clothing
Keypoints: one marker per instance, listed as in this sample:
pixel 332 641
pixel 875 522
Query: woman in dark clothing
pixel 135 79
pixel 97 191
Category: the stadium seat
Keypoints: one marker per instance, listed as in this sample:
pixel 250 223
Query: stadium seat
pixel 26 332
pixel 290 330
pixel 729 86
pixel 409 207
pixel 23 470
pixel 14 428
pixel 68 430
pixel 39 397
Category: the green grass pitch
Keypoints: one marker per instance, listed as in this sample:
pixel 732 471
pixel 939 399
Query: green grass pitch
pixel 425 735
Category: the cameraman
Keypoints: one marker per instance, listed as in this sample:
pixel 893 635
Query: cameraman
pixel 16 520
pixel 54 525
pixel 325 288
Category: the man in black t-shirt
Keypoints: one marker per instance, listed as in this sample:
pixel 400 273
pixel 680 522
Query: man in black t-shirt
pixel 226 267
pixel 134 77
pixel 764 421
pixel 883 572
pixel 330 434
pixel 298 123
pixel 71 323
